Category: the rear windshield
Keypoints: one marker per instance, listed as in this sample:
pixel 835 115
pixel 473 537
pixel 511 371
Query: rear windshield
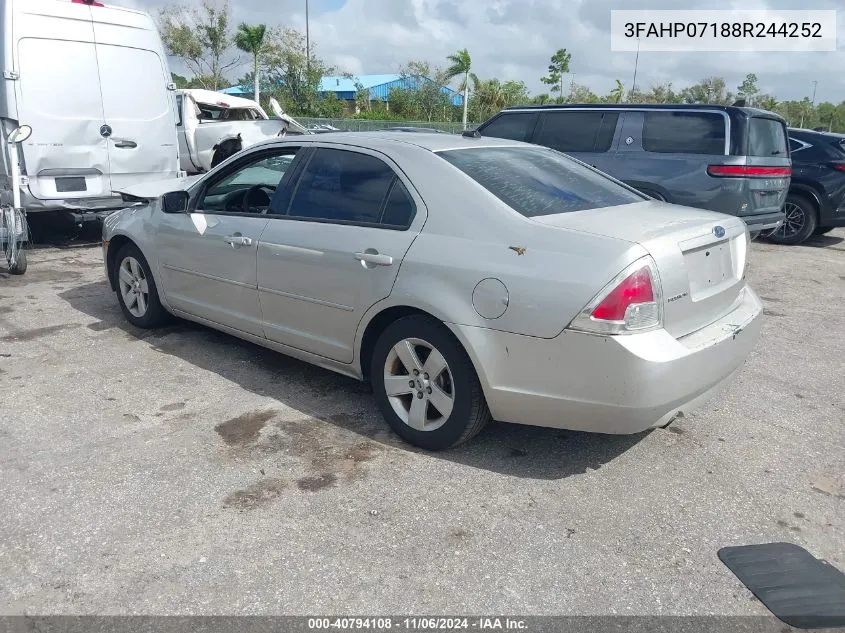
pixel 766 137
pixel 538 181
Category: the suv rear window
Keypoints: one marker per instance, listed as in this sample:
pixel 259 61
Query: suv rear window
pixel 684 132
pixel 766 137
pixel 518 126
pixel 538 181
pixel 576 131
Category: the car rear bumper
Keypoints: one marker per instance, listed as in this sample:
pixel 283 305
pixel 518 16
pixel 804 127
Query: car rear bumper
pixel 610 384
pixel 764 221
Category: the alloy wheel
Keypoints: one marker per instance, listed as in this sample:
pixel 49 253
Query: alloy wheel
pixel 419 384
pixel 793 221
pixel 133 286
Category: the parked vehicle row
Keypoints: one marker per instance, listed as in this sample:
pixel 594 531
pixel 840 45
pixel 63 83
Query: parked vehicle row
pixel 464 278
pixel 729 159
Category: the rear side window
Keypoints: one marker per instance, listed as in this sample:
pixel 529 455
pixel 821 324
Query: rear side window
pixel 794 145
pixel 344 186
pixel 517 126
pixel 536 181
pixel 684 132
pixel 766 137
pixel 574 131
pixel 399 208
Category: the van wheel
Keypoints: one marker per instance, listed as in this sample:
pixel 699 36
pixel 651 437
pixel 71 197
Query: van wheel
pixel 799 223
pixel 425 384
pixel 20 265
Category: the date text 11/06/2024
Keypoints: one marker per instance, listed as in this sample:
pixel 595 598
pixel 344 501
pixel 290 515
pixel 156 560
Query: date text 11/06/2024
pixel 418 624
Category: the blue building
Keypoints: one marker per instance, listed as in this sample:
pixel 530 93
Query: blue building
pixel 379 87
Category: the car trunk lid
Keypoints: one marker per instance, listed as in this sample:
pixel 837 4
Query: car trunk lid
pixel 700 255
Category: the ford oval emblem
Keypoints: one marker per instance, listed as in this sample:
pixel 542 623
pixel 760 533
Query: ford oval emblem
pixel 718 231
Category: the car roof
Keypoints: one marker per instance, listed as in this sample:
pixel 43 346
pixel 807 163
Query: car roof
pixel 647 106
pixel 816 134
pixel 385 139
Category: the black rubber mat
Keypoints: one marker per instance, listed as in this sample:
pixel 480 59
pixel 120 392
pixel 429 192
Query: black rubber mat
pixel 794 585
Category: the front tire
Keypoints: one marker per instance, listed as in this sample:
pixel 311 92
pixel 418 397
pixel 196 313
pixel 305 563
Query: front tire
pixel 800 221
pixel 425 384
pixel 137 293
pixel 20 265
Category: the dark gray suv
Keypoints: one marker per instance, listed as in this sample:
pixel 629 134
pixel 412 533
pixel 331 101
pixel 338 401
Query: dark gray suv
pixel 724 158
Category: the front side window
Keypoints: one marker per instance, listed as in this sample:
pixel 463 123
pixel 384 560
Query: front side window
pixel 684 132
pixel 342 186
pixel 253 187
pixel 537 181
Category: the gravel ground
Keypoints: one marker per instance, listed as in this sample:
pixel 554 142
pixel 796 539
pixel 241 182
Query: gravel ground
pixel 184 471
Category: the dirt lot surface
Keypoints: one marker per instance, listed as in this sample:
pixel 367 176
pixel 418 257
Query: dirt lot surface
pixel 185 471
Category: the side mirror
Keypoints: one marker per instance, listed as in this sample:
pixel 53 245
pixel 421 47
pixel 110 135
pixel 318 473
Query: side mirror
pixel 19 134
pixel 175 202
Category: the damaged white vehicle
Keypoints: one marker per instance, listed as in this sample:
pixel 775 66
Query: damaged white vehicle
pixel 213 126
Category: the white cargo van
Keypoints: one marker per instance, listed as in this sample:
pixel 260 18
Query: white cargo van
pixel 93 83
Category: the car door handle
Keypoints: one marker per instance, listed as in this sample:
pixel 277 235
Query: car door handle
pixel 237 240
pixel 126 144
pixel 374 258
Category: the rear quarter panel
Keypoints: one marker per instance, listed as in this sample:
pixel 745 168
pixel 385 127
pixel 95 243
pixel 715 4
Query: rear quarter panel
pixel 470 235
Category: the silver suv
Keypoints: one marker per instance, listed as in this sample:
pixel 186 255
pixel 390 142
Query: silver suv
pixel 724 158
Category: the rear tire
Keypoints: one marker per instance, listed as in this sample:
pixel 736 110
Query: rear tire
pixel 20 265
pixel 800 221
pixel 137 292
pixel 436 401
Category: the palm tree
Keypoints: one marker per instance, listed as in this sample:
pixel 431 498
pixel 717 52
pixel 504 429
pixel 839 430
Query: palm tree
pixel 462 66
pixel 250 39
pixel 618 92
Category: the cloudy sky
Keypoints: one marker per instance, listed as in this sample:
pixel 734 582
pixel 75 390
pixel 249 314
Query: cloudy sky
pixel 513 39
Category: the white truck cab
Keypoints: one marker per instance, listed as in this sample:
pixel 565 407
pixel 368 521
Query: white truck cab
pixel 92 82
pixel 213 126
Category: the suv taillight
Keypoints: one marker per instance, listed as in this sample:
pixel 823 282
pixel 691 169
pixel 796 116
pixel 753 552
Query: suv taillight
pixel 838 166
pixel 630 303
pixel 748 171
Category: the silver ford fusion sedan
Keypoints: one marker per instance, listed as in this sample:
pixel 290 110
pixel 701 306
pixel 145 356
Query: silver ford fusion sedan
pixel 466 279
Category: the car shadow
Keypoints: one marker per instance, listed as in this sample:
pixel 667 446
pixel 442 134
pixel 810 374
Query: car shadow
pixel 511 449
pixel 822 241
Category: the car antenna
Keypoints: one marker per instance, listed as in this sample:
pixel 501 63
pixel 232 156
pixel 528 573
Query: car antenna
pixel 471 134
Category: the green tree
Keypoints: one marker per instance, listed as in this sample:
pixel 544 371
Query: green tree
pixel 557 69
pixel 250 39
pixel 748 88
pixel 461 66
pixel 201 37
pixel 428 82
pixel 709 90
pixel 296 83
pixel 617 94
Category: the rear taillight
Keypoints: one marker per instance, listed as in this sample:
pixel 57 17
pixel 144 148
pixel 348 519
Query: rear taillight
pixel 630 303
pixel 90 3
pixel 837 166
pixel 748 171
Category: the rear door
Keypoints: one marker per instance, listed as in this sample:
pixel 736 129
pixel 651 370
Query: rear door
pixel 58 95
pixel 137 105
pixel 584 134
pixel 335 249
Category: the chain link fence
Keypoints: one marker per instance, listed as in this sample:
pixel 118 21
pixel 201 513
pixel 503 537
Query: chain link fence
pixel 366 125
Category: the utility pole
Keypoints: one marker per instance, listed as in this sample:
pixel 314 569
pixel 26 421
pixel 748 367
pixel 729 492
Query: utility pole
pixel 636 65
pixel 307 41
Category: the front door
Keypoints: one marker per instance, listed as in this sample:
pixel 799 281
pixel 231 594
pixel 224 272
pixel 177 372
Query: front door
pixel 208 257
pixel 335 250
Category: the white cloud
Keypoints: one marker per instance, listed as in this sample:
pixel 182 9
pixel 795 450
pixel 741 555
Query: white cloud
pixel 513 39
